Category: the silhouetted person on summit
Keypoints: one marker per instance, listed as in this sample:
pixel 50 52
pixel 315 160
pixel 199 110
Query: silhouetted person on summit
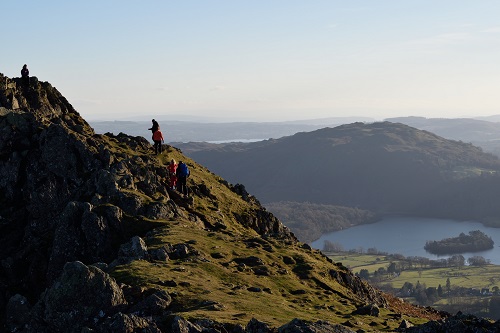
pixel 25 75
pixel 155 126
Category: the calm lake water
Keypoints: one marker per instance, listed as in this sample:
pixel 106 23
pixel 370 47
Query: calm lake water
pixel 407 236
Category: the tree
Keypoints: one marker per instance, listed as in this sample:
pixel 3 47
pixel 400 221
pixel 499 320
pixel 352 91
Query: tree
pixel 432 294
pixel 440 291
pixel 457 260
pixel 391 268
pixel 364 274
pixel 407 289
pixel 477 261
pixel 330 246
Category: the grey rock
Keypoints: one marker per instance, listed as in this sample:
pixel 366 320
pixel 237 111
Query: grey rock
pixel 302 326
pixel 178 251
pixel 180 325
pixel 155 304
pixel 80 295
pixel 134 249
pixel 256 326
pixel 368 310
pixel 17 313
pixel 405 324
pixel 159 254
pixel 128 323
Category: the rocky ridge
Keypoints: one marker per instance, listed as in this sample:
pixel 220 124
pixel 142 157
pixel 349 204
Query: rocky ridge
pixel 94 241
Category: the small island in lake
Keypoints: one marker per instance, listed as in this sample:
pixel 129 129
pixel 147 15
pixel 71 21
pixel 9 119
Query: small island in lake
pixel 473 242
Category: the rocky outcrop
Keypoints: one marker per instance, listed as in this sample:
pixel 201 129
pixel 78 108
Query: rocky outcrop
pixel 457 323
pixel 64 196
pixel 67 196
pixel 360 288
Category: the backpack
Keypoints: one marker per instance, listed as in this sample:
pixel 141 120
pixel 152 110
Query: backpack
pixel 182 170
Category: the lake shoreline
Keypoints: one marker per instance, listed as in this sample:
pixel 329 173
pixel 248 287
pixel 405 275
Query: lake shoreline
pixel 407 235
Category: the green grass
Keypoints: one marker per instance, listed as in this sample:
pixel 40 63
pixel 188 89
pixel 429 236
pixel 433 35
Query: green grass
pixel 217 287
pixel 467 276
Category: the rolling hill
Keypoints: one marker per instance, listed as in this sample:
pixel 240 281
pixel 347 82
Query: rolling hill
pixel 384 168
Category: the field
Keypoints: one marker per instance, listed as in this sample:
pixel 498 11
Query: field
pixel 467 276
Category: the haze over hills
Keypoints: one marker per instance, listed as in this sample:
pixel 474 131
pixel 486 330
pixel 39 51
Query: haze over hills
pixel 198 130
pixel 483 132
pixel 383 168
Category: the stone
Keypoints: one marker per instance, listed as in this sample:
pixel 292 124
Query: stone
pixel 134 249
pixel 180 325
pixel 320 326
pixel 79 295
pixel 17 313
pixel 255 326
pixel 155 304
pixel 368 310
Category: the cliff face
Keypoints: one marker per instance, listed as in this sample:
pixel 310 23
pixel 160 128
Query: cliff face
pixel 93 239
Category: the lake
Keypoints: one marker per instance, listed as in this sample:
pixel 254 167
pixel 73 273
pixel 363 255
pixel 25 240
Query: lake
pixel 407 236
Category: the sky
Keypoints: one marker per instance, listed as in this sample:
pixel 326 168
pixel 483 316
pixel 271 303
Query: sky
pixel 260 60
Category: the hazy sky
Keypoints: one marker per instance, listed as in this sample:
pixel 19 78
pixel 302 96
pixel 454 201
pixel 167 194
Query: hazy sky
pixel 260 60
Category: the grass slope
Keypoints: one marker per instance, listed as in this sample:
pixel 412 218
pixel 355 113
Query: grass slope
pixel 290 280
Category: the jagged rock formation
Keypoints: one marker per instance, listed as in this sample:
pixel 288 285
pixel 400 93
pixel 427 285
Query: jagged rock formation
pixel 94 241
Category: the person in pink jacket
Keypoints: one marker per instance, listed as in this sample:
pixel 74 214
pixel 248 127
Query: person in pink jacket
pixel 172 168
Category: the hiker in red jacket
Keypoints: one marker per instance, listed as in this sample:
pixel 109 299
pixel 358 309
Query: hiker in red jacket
pixel 172 168
pixel 158 139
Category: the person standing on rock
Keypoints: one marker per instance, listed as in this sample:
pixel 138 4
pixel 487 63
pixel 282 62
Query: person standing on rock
pixel 158 139
pixel 25 75
pixel 155 127
pixel 182 174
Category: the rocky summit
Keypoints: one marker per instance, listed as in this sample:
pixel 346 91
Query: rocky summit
pixel 93 240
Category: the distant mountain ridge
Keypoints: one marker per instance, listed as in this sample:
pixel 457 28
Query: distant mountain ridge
pixel 187 131
pixel 483 132
pixel 387 168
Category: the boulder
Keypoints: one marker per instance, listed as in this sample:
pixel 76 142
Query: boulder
pixel 128 323
pixel 180 325
pixel 80 296
pixel 368 310
pixel 135 249
pixel 255 326
pixel 302 326
pixel 155 304
pixel 17 313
